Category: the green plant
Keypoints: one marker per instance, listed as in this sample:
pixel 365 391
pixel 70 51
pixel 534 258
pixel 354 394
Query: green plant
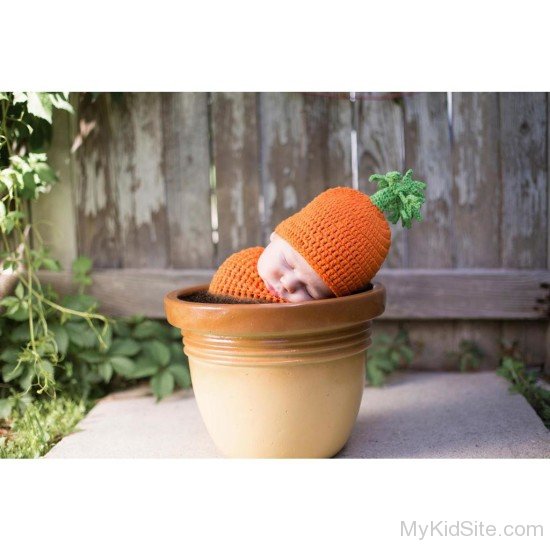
pixel 90 365
pixel 387 354
pixel 468 357
pixel 525 382
pixel 47 342
pixel 34 353
pixel 33 432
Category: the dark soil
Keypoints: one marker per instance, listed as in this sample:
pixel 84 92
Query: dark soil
pixel 203 296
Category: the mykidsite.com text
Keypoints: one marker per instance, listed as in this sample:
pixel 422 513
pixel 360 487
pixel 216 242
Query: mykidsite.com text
pixel 467 528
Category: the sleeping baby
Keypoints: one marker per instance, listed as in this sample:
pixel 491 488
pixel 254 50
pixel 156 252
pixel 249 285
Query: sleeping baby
pixel 332 247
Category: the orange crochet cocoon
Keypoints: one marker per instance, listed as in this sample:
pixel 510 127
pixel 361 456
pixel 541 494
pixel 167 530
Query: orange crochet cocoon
pixel 238 277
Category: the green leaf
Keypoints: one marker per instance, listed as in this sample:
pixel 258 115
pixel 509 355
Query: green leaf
pixel 45 172
pixel 148 329
pixel 2 211
pixel 19 97
pixel 105 371
pixel 26 380
pixel 124 346
pixel 91 356
pixel 158 352
pixel 11 372
pixel 82 265
pixel 121 328
pixel 10 355
pixel 80 302
pixel 40 105
pixel 60 101
pixel 6 406
pixel 162 384
pixel 181 375
pixel 20 334
pixel 123 366
pixel 143 369
pixel 61 337
pixel 375 376
pixel 51 264
pixel 81 335
pixel 176 353
pixel 19 291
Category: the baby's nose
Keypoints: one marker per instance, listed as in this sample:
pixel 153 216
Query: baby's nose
pixel 290 282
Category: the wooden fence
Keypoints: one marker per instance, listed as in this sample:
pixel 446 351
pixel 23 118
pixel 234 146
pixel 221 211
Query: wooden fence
pixel 166 186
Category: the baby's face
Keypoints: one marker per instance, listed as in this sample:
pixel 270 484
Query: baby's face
pixel 286 273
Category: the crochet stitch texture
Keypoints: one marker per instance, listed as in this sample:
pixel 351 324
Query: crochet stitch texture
pixel 238 277
pixel 342 235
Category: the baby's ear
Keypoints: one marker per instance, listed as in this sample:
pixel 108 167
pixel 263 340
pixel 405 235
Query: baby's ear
pixel 271 236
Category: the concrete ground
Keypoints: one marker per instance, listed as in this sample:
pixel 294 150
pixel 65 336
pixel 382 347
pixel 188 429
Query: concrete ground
pixel 417 415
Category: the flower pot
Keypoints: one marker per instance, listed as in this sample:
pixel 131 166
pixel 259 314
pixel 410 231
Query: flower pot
pixel 277 380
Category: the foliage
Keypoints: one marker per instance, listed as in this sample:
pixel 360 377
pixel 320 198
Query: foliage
pixel 387 354
pixel 469 355
pixel 32 433
pixel 524 381
pixel 49 343
pixel 86 363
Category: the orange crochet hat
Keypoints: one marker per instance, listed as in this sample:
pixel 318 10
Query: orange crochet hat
pixel 342 234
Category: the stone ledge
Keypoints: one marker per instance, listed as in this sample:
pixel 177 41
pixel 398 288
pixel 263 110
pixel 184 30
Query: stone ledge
pixel 417 415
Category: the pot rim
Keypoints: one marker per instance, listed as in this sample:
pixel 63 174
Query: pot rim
pixel 175 296
pixel 272 318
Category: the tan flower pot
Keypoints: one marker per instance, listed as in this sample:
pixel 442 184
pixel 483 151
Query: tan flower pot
pixel 277 380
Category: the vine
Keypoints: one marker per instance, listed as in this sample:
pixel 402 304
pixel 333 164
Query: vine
pixel 47 342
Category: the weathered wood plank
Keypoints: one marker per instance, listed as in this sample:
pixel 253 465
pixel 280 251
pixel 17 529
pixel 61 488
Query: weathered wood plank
pixel 54 214
pixel 464 293
pixel 428 153
pixel 524 226
pixel 429 244
pixel 476 196
pixel 380 149
pixel 476 191
pixel 97 221
pixel 131 291
pixel 236 159
pixel 339 170
pixel 186 163
pixel 547 352
pixel 483 294
pixel 523 137
pixel 294 130
pixel 137 158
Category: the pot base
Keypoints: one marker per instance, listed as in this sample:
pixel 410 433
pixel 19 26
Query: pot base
pixel 280 411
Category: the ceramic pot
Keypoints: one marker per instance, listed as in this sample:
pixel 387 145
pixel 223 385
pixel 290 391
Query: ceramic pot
pixel 277 380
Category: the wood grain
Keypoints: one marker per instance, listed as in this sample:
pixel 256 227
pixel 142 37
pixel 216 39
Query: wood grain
pixel 339 170
pixel 412 294
pixel 137 158
pixel 186 162
pixel 236 160
pixel 294 130
pixel 381 149
pixel 430 243
pixel 428 152
pixel 524 227
pixel 476 196
pixel 97 221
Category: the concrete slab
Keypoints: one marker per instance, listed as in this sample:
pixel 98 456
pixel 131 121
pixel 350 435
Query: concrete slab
pixel 417 415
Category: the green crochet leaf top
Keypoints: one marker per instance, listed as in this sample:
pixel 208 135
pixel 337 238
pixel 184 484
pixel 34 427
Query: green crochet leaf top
pixel 399 196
